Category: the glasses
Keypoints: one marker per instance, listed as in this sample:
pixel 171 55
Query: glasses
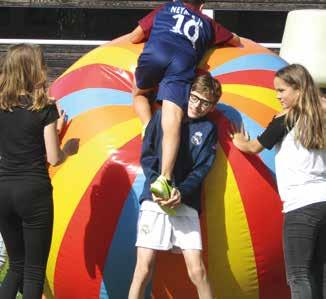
pixel 203 103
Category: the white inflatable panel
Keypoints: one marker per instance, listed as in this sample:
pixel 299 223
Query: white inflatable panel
pixel 304 41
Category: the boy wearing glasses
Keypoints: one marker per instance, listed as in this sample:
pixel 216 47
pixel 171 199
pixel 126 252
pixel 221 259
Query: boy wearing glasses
pixel 157 230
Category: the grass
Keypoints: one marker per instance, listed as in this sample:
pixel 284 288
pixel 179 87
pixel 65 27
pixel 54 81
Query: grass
pixel 3 271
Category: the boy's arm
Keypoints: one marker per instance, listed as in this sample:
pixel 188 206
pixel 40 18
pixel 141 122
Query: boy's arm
pixel 149 156
pixel 136 36
pixel 142 31
pixel 201 167
pixel 221 35
pixel 234 41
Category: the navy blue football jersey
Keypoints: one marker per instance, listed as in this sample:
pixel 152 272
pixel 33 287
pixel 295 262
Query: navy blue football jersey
pixel 184 27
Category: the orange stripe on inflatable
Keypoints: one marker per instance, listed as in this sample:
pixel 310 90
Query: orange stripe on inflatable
pixel 84 127
pixel 214 58
pixel 136 48
pixel 114 56
pixel 262 114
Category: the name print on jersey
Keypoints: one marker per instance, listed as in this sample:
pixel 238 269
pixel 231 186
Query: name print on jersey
pixel 185 26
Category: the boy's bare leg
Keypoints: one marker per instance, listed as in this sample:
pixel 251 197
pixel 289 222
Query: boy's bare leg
pixel 141 104
pixel 171 123
pixel 197 273
pixel 143 272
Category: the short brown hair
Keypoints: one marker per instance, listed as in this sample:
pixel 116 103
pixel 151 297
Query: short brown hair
pixel 208 86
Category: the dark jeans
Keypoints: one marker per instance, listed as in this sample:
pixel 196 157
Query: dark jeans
pixel 26 219
pixel 304 241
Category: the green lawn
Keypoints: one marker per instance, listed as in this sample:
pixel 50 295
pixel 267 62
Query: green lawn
pixel 3 272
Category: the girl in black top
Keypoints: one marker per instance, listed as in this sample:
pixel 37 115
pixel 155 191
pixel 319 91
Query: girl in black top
pixel 28 139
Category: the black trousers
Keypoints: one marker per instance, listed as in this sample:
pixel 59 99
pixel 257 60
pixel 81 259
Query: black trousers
pixel 304 237
pixel 26 221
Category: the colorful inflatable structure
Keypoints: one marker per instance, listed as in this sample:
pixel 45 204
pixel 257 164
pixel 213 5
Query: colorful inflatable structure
pixel 95 192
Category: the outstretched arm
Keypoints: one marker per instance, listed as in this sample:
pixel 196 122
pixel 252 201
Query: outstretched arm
pixel 136 36
pixel 234 41
pixel 273 134
pixel 243 143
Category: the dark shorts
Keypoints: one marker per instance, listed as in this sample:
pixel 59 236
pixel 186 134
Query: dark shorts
pixel 168 67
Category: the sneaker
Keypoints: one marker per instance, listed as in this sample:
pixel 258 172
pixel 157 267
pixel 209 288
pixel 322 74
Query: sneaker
pixel 162 188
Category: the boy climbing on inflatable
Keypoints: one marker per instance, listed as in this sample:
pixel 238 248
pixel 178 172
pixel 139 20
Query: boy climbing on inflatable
pixel 177 36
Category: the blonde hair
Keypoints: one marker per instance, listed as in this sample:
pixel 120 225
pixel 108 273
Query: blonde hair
pixel 23 75
pixel 208 86
pixel 306 115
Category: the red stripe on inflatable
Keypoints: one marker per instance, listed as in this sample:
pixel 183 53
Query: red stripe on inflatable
pixel 263 209
pixel 83 251
pixel 92 76
pixel 263 78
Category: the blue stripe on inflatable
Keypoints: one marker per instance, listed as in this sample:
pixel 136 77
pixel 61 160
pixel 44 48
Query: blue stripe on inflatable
pixel 251 62
pixel 90 98
pixel 253 128
pixel 121 259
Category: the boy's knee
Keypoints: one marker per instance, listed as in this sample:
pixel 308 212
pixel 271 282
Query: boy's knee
pixel 144 271
pixel 197 274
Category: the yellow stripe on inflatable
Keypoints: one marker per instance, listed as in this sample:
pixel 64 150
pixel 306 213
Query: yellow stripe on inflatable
pixel 263 95
pixel 231 260
pixel 113 56
pixel 79 170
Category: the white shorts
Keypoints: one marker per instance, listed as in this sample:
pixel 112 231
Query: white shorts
pixel 160 231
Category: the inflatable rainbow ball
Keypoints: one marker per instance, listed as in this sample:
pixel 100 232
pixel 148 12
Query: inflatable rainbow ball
pixel 96 191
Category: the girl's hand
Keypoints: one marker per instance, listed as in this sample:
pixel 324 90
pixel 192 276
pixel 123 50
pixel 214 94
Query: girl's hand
pixel 241 140
pixel 238 134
